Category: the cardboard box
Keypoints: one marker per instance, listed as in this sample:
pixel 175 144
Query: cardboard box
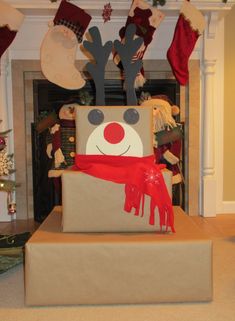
pixel 91 123
pixel 122 268
pixel 95 205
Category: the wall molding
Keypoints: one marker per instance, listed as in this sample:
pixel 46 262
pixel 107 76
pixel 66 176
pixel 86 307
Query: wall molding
pixel 228 207
pixel 119 7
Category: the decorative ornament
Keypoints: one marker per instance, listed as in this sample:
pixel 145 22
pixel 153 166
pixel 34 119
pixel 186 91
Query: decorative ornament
pixel 163 2
pixel 11 208
pixel 159 2
pixel 6 163
pixel 6 168
pixel 85 98
pixel 107 11
pixel 11 204
pixel 7 185
pixel 2 143
pixel 155 2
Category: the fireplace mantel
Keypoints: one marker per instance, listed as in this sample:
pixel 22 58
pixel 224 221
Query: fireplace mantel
pixel 120 7
pixel 209 52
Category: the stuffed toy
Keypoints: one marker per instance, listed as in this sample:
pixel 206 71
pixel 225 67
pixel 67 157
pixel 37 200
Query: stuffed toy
pixel 61 146
pixel 167 134
pixel 61 141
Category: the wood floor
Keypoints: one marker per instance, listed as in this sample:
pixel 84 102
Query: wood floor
pixel 221 226
pixel 18 226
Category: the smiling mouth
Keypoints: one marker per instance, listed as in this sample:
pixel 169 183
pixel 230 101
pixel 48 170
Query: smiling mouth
pixel 116 155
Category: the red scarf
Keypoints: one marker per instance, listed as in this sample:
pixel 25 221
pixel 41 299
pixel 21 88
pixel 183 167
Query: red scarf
pixel 141 177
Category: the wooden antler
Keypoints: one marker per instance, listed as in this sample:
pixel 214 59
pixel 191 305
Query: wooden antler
pixel 101 55
pixel 126 52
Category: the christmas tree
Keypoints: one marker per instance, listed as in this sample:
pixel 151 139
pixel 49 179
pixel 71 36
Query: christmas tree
pixel 6 165
pixel 11 245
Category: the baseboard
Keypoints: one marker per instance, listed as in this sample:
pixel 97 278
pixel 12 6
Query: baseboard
pixel 228 207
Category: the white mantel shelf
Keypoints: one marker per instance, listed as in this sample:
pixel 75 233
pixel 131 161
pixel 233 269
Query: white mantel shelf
pixel 121 7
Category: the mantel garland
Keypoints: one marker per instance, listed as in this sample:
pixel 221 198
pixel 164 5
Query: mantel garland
pixel 155 2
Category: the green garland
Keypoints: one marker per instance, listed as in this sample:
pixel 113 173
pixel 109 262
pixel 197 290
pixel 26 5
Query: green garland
pixel 163 2
pixel 159 2
pixel 155 2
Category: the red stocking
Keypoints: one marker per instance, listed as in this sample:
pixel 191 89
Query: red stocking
pixel 10 22
pixel 190 25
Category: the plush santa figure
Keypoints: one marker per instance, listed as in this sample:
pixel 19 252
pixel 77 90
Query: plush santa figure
pixel 167 134
pixel 61 141
pixel 10 22
pixel 61 146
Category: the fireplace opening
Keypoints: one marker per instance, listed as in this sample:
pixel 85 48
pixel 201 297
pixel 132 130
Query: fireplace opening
pixel 48 98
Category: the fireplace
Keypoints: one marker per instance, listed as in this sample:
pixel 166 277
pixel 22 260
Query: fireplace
pixel 198 101
pixel 28 77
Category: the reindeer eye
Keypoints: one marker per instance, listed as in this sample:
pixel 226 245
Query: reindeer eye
pixel 95 117
pixel 131 116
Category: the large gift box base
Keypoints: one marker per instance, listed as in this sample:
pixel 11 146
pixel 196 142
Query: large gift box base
pixel 95 205
pixel 122 268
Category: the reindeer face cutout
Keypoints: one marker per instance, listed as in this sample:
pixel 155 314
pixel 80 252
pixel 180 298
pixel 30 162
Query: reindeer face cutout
pixel 117 131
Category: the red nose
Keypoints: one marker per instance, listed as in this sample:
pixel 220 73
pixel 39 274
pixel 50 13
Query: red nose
pixel 114 133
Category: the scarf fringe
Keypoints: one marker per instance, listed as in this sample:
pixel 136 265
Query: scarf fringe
pixel 134 199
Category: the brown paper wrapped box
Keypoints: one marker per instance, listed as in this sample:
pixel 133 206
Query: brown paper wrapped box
pixel 138 136
pixel 95 205
pixel 122 268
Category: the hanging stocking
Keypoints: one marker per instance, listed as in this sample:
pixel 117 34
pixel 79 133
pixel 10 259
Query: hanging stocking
pixel 10 22
pixel 190 25
pixel 59 47
pixel 146 19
